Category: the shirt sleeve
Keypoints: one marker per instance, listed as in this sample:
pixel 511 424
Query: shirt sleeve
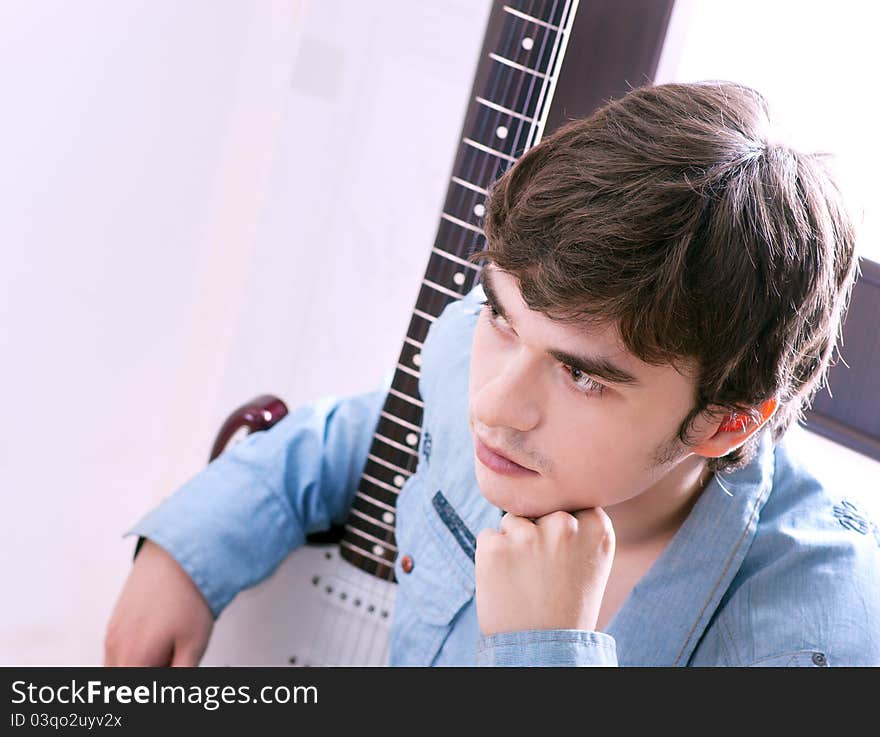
pixel 236 520
pixel 559 647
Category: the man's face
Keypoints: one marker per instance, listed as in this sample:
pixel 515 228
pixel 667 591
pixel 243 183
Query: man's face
pixel 590 441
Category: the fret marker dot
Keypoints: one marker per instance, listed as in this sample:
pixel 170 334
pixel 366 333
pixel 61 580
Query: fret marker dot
pixel 527 44
pixel 501 131
pixel 388 517
pixel 417 359
pixel 377 549
pixel 479 210
pixel 398 480
pixel 458 277
pixel 412 438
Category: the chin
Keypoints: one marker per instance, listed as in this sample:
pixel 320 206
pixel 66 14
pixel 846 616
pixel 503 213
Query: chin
pixel 505 496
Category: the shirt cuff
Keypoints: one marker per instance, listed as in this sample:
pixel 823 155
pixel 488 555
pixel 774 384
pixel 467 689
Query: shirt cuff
pixel 226 536
pixel 551 648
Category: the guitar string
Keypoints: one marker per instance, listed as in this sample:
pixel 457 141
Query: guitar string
pixel 468 175
pixel 378 589
pixel 514 30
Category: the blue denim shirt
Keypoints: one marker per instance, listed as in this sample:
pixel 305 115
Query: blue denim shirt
pixel 769 568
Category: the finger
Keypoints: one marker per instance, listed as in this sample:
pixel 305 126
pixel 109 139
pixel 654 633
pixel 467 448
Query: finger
pixel 592 516
pixel 184 657
pixel 596 524
pixel 510 523
pixel 558 520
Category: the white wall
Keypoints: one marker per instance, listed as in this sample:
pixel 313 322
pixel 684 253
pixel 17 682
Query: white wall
pixel 190 193
pixel 815 61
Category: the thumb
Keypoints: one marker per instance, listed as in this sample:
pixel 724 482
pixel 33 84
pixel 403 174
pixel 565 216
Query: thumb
pixel 184 657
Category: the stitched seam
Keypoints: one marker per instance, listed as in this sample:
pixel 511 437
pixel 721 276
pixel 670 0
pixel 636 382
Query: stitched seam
pixel 787 653
pixel 552 641
pixel 727 636
pixel 721 576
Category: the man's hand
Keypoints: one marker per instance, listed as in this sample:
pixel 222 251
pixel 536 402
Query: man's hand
pixel 546 574
pixel 161 617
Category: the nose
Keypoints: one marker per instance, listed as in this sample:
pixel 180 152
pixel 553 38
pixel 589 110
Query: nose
pixel 510 397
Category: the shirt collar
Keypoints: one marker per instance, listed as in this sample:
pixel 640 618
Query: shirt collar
pixel 674 601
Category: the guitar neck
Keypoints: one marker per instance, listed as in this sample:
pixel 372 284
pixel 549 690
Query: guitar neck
pixel 514 83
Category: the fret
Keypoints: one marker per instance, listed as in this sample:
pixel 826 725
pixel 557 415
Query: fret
pixel 373 514
pixel 372 538
pixel 462 205
pixel 529 18
pixel 404 436
pixel 430 305
pixel 501 132
pixel 382 484
pixel 444 290
pixel 418 327
pixel 553 12
pixel 454 258
pixel 376 502
pixel 398 407
pixel 425 315
pixel 513 90
pixel 407 398
pixel 402 423
pixel 373 530
pixel 408 370
pixel 415 343
pixel 375 487
pixel 395 452
pixel 462 223
pixel 394 444
pixel 502 109
pixel 389 465
pixel 513 64
pixel 452 238
pixel 471 185
pixel 411 357
pixel 372 520
pixel 527 43
pixel 366 553
pixel 488 150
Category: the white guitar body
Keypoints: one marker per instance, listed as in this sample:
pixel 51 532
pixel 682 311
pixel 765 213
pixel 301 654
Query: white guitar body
pixel 315 609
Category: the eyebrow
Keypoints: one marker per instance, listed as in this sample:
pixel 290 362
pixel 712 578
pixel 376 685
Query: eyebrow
pixel 597 366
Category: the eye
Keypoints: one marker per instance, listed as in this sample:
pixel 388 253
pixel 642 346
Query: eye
pixel 583 384
pixel 577 379
pixel 494 315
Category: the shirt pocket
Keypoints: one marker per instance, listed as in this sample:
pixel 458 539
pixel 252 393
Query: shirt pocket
pixel 438 585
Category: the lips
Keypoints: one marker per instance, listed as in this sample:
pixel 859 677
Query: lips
pixel 504 456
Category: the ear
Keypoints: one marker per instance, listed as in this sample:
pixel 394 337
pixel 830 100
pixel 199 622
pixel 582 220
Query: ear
pixel 733 431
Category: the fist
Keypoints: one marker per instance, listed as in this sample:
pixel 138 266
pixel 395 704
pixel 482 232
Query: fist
pixel 546 574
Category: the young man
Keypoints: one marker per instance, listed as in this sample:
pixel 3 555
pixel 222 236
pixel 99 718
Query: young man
pixel 664 290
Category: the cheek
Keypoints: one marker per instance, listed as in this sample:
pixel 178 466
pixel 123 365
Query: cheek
pixel 481 352
pixel 600 462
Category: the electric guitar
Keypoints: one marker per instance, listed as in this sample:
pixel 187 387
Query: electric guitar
pixel 331 601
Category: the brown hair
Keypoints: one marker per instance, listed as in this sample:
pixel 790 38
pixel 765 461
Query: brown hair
pixel 672 213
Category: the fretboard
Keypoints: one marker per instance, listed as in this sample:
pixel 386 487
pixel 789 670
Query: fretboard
pixel 519 64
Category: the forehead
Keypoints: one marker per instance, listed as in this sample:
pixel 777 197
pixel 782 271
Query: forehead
pixel 598 342
pixel 595 334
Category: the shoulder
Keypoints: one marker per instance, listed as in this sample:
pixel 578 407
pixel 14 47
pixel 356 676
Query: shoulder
pixel 447 346
pixel 807 592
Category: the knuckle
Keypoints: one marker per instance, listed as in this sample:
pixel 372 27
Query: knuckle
pixel 485 537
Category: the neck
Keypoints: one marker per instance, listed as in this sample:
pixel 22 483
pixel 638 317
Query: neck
pixel 653 517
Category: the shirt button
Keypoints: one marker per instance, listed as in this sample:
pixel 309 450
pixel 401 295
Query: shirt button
pixel 406 563
pixel 820 659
